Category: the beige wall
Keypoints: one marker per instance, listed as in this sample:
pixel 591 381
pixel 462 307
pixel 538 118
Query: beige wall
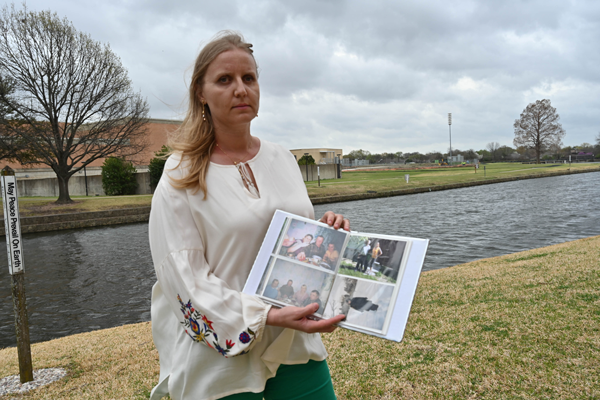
pixel 321 155
pixel 327 171
pixel 48 187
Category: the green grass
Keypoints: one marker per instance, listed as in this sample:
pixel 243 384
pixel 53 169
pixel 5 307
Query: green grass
pixel 33 206
pixel 351 183
pixel 521 326
pixel 381 181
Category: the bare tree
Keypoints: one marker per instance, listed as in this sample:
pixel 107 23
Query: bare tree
pixel 538 127
pixel 72 97
pixel 493 147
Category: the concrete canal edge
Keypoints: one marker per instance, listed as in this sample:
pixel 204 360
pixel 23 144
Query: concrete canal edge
pixel 141 214
pixel 59 222
pixel 434 188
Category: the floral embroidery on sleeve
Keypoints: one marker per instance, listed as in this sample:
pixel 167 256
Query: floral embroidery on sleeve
pixel 200 329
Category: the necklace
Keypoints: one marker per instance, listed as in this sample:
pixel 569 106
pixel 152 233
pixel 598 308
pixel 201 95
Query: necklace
pixel 244 171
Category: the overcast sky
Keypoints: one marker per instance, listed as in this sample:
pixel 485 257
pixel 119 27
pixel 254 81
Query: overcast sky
pixel 376 75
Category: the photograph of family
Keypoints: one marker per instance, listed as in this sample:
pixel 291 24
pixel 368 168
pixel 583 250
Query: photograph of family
pixel 296 284
pixel 310 243
pixel 373 258
pixel 364 302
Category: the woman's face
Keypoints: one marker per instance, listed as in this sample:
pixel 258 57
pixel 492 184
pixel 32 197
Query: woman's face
pixel 230 89
pixel 307 239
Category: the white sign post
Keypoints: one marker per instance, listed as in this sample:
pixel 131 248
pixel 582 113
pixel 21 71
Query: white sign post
pixel 319 176
pixel 14 249
pixel 406 177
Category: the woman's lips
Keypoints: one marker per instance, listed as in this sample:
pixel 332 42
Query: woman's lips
pixel 242 106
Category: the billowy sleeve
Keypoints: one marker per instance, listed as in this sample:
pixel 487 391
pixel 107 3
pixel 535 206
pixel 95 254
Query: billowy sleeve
pixel 209 311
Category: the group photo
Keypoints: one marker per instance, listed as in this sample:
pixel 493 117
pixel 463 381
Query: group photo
pixel 373 258
pixel 310 243
pixel 296 284
pixel 366 304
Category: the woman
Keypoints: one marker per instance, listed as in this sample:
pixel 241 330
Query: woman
pixel 301 295
pixel 375 255
pixel 210 211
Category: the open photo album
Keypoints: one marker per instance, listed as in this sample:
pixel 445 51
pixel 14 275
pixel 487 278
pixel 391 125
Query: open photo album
pixel 370 278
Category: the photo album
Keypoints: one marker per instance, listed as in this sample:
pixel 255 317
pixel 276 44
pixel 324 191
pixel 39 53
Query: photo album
pixel 369 278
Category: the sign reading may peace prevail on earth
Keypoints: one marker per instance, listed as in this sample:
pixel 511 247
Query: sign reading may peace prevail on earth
pixel 12 224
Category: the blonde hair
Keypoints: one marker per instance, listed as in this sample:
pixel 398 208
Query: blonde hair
pixel 195 138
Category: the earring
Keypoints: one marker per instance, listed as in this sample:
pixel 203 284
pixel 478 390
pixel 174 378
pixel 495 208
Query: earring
pixel 203 114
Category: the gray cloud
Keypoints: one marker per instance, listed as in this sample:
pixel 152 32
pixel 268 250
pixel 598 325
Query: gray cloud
pixel 380 75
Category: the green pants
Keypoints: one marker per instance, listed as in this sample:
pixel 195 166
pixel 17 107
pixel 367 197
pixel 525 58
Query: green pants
pixel 295 382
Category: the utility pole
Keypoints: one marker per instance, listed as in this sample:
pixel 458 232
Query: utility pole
pixel 450 131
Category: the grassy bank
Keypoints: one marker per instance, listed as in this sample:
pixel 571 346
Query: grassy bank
pixel 352 183
pixel 35 206
pixel 388 180
pixel 525 325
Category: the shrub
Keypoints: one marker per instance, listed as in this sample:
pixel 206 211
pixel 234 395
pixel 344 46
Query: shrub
pixel 157 165
pixel 306 160
pixel 118 177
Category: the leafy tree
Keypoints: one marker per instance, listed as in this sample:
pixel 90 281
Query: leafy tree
pixel 504 152
pixel 304 160
pixel 538 127
pixel 157 165
pixel 470 155
pixel 358 155
pixel 118 177
pixel 72 97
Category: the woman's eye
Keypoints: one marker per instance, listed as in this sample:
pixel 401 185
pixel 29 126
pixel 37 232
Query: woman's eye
pixel 224 79
pixel 249 78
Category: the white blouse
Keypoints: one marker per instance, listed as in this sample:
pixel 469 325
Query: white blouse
pixel 212 340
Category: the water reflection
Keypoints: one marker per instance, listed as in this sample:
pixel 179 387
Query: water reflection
pixel 81 280
pixel 88 279
pixel 485 221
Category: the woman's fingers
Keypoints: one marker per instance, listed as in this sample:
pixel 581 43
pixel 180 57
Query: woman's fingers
pixel 298 318
pixel 336 220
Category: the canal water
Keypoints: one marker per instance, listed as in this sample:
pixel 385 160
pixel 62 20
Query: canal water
pixel 88 279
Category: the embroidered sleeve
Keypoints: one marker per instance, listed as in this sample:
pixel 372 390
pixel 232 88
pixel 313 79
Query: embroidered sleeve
pixel 225 320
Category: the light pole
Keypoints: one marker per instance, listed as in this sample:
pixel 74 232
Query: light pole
pixel 306 163
pixel 339 166
pixel 450 132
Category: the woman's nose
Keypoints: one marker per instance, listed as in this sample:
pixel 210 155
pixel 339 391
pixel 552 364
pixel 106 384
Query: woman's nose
pixel 240 87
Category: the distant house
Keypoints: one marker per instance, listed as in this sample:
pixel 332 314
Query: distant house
pixel 321 155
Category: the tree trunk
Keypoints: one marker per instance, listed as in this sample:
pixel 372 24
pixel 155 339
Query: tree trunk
pixel 63 190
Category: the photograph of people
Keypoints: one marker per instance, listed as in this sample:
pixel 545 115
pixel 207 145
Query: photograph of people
pixel 272 290
pixel 375 253
pixel 309 277
pixel 287 291
pixel 375 258
pixel 301 295
pixel 361 264
pixel 298 248
pixel 210 211
pixel 317 248
pixel 364 302
pixel 331 255
pixel 314 299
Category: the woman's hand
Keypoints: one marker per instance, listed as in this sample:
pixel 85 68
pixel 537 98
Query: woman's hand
pixel 336 220
pixel 297 318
